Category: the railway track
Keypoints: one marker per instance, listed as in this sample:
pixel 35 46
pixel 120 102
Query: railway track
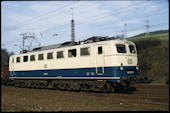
pixel 14 108
pixel 119 100
pixel 119 103
pixel 151 93
pixel 114 101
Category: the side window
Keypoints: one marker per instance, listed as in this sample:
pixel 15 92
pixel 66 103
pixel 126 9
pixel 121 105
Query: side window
pixel 121 48
pixel 50 55
pixel 72 53
pixel 40 57
pixel 132 49
pixel 32 58
pixel 100 51
pixel 25 59
pixel 12 60
pixel 60 54
pixel 18 60
pixel 85 51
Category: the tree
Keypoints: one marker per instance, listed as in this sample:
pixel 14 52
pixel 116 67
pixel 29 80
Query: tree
pixel 5 56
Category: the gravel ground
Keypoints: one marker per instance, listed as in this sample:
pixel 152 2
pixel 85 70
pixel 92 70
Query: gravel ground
pixel 25 99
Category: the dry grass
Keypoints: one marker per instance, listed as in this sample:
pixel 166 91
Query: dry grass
pixel 154 57
pixel 158 36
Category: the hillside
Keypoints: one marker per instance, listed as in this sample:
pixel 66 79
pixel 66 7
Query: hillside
pixel 158 36
pixel 153 55
pixel 151 33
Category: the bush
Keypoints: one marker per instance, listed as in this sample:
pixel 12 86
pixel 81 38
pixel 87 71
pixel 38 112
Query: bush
pixel 153 58
pixel 146 43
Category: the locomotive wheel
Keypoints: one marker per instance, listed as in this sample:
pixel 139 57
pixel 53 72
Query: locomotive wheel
pixel 55 86
pixel 112 89
pixel 106 88
pixel 16 83
pixel 119 88
pixel 42 85
pixel 81 87
pixel 68 87
pixel 61 86
pixel 33 85
pixel 22 84
pixel 76 86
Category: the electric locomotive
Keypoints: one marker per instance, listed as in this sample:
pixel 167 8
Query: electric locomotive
pixel 99 64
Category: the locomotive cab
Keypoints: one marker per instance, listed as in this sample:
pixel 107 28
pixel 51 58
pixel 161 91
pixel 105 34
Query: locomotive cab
pixel 125 61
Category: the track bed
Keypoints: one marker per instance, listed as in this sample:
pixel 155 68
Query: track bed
pixel 145 98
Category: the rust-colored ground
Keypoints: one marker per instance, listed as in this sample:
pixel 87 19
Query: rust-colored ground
pixel 147 97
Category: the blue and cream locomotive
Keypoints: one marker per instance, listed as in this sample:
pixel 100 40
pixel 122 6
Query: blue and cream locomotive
pixel 92 66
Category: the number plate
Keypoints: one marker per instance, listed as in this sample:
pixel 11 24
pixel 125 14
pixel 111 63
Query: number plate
pixel 130 72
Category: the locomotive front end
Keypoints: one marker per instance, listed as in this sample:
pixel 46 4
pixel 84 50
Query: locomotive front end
pixel 124 62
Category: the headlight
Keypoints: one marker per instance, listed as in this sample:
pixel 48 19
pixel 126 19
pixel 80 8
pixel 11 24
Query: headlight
pixel 121 68
pixel 137 67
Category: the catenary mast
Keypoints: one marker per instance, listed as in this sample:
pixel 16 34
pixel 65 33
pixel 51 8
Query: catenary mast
pixel 72 28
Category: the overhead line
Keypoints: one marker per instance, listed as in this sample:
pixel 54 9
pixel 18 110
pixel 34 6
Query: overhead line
pixel 134 18
pixel 21 24
pixel 101 14
pixel 99 17
pixel 68 23
pixel 114 22
pixel 40 16
pixel 118 13
pixel 123 19
pixel 59 27
pixel 133 29
pixel 155 25
pixel 114 10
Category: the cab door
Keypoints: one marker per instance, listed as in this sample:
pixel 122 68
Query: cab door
pixel 99 59
pixel 12 67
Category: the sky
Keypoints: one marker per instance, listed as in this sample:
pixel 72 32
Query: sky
pixel 44 19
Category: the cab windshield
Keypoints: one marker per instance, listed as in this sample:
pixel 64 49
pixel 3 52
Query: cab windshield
pixel 132 49
pixel 121 48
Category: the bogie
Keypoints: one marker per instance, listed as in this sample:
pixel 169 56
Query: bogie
pixel 67 85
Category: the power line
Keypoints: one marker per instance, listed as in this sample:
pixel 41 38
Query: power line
pixel 151 26
pixel 113 10
pixel 102 14
pixel 68 22
pixel 48 13
pixel 116 13
pixel 109 23
pixel 23 23
pixel 132 18
pixel 128 19
pixel 93 17
pixel 141 27
pixel 40 16
pixel 120 31
pixel 90 18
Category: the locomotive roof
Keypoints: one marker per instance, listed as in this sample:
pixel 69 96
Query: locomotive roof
pixel 66 44
pixel 72 44
pixel 54 46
